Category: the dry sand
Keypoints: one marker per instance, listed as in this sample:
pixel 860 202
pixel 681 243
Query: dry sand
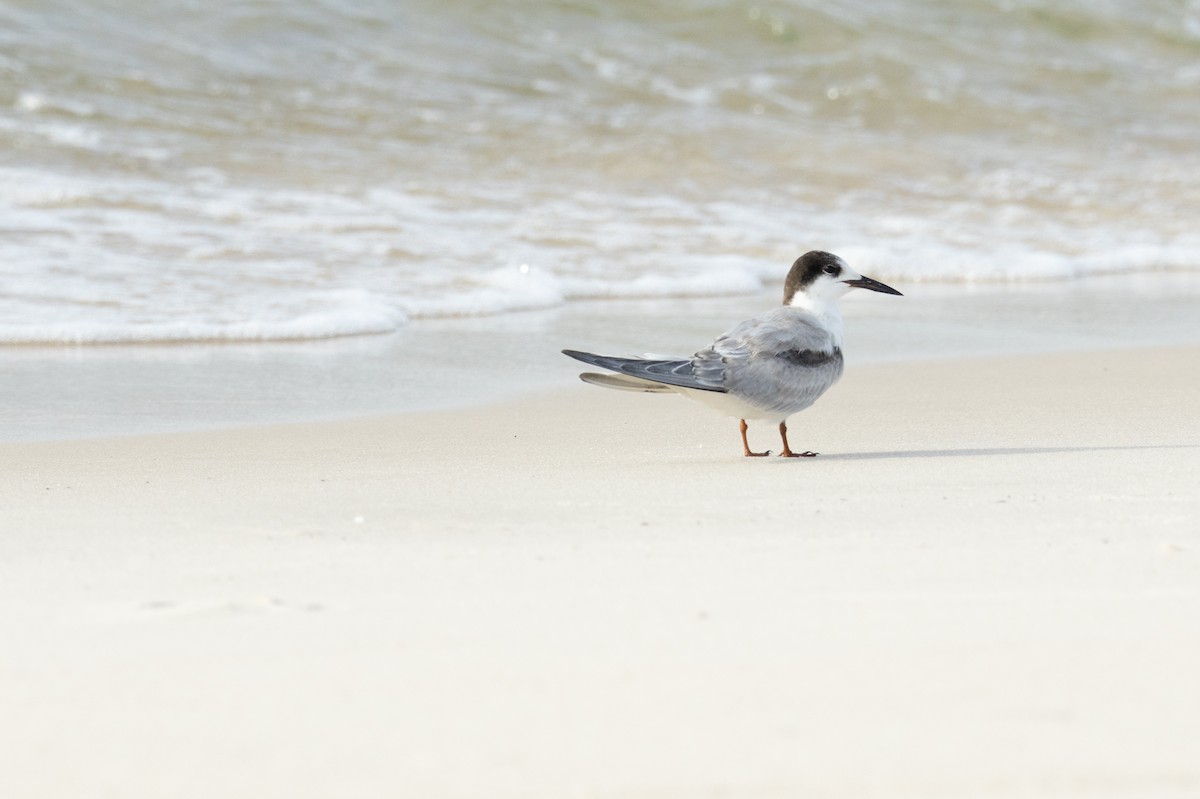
pixel 987 586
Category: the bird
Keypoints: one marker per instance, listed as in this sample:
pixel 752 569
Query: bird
pixel 766 368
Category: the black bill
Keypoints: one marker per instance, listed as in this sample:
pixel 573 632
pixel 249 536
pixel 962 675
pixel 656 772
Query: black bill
pixel 873 285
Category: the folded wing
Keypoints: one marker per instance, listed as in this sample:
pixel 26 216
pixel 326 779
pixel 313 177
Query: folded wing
pixel 696 373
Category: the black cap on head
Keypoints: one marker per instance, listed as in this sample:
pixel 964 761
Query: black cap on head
pixel 809 267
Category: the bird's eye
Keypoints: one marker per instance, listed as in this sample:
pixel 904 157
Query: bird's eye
pixel 831 270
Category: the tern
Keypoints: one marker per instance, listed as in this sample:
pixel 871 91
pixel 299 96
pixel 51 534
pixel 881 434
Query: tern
pixel 765 368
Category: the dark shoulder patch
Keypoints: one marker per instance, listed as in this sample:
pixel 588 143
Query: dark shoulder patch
pixel 811 357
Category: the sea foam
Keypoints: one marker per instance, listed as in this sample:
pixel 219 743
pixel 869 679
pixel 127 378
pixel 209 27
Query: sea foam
pixel 332 172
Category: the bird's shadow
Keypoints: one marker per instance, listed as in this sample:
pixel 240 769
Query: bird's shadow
pixel 991 451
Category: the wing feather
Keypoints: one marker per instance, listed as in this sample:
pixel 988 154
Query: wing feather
pixel 624 383
pixel 672 372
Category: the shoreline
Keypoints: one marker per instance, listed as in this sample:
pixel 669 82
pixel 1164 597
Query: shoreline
pixel 567 385
pixel 65 393
pixel 986 585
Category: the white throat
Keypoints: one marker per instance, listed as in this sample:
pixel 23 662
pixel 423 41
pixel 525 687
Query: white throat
pixel 826 311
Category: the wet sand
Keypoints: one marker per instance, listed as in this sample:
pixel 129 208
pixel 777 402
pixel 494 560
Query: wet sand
pixel 986 585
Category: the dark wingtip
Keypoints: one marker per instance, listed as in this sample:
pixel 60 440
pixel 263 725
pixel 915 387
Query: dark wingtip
pixel 586 357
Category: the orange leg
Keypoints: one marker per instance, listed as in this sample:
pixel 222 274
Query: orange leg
pixel 787 451
pixel 746 444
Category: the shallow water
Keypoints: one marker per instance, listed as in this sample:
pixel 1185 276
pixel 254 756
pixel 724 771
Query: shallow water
pixel 52 392
pixel 270 171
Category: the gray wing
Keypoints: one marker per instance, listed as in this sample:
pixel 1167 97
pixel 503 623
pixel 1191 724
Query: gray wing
pixel 780 361
pixel 672 372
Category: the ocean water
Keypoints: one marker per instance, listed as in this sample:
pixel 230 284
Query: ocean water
pixel 271 171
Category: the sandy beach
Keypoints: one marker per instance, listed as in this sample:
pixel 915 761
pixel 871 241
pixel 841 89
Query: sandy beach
pixel 300 499
pixel 988 584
